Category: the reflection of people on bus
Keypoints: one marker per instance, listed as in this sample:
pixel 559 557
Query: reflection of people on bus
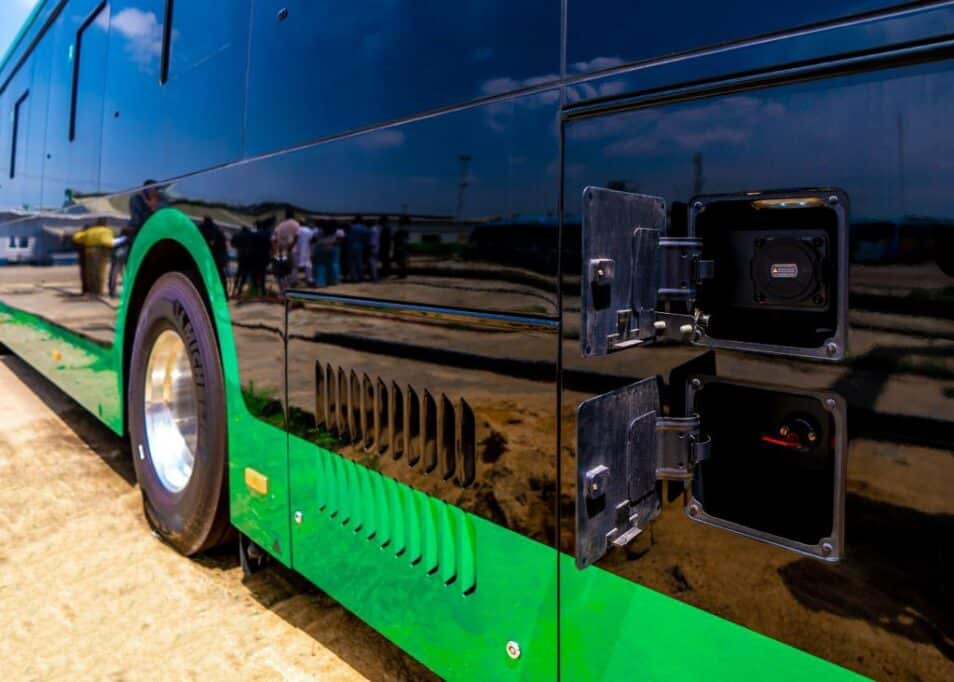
pixel 96 242
pixel 303 252
pixel 80 258
pixel 284 241
pixel 215 238
pixel 261 241
pixel 327 254
pixel 356 246
pixel 243 245
pixel 141 205
pixel 374 250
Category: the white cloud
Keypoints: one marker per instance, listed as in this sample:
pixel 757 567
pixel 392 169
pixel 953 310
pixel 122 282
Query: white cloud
pixel 731 121
pixel 499 86
pixel 143 32
pixel 582 91
pixel 595 64
pixel 500 114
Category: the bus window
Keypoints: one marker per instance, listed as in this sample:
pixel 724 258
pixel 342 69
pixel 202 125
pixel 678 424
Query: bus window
pixel 175 88
pixel 86 70
pixel 18 110
pixel 75 108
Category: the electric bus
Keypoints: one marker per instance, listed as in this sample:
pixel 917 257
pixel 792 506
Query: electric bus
pixel 554 339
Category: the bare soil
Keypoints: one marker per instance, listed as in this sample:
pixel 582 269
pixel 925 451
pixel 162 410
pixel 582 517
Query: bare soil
pixel 87 592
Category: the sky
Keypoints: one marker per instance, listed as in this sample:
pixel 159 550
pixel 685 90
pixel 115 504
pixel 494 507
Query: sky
pixel 14 13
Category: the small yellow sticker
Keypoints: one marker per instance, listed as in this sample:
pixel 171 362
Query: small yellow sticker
pixel 57 356
pixel 256 481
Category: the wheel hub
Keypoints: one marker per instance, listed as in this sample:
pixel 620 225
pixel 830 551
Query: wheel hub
pixel 171 411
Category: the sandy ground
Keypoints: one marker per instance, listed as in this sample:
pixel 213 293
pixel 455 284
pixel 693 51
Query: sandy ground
pixel 86 591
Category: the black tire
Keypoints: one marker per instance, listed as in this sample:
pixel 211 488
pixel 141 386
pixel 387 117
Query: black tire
pixel 194 518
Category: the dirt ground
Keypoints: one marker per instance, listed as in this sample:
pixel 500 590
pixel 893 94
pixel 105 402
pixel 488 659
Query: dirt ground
pixel 87 592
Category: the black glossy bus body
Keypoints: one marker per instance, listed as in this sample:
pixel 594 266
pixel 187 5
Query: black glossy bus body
pixel 462 136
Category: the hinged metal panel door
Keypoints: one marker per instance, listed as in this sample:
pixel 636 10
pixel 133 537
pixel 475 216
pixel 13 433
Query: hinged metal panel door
pixel 620 238
pixel 616 468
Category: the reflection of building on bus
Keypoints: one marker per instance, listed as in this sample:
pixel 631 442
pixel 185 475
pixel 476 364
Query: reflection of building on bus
pixel 41 238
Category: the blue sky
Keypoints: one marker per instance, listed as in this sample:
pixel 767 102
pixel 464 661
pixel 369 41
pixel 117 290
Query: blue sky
pixel 14 14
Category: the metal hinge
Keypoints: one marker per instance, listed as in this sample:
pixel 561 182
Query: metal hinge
pixel 633 272
pixel 665 269
pixel 680 447
pixel 682 268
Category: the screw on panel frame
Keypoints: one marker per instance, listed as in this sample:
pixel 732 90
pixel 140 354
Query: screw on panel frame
pixel 513 650
pixel 298 517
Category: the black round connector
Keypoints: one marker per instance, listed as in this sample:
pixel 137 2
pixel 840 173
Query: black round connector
pixel 786 270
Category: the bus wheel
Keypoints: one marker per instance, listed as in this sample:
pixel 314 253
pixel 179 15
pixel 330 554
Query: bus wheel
pixel 177 420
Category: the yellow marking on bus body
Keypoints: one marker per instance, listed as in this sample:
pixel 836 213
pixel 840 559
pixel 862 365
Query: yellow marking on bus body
pixel 57 356
pixel 256 481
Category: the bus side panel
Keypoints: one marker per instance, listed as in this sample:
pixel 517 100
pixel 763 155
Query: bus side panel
pixel 450 588
pixel 654 31
pixel 882 136
pixel 82 368
pixel 612 629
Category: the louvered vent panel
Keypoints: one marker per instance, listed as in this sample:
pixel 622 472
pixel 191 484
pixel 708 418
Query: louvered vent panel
pixel 431 432
pixel 435 537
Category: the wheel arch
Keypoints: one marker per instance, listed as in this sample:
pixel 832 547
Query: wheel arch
pixel 170 241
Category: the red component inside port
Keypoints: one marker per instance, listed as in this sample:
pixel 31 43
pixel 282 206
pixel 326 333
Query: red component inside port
pixel 791 441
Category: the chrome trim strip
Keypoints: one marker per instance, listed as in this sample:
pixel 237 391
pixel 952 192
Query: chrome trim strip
pixel 422 310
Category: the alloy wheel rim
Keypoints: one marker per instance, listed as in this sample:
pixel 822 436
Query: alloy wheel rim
pixel 171 411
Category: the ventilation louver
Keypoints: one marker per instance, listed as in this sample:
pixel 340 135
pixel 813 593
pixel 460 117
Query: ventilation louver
pixel 437 537
pixel 433 433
